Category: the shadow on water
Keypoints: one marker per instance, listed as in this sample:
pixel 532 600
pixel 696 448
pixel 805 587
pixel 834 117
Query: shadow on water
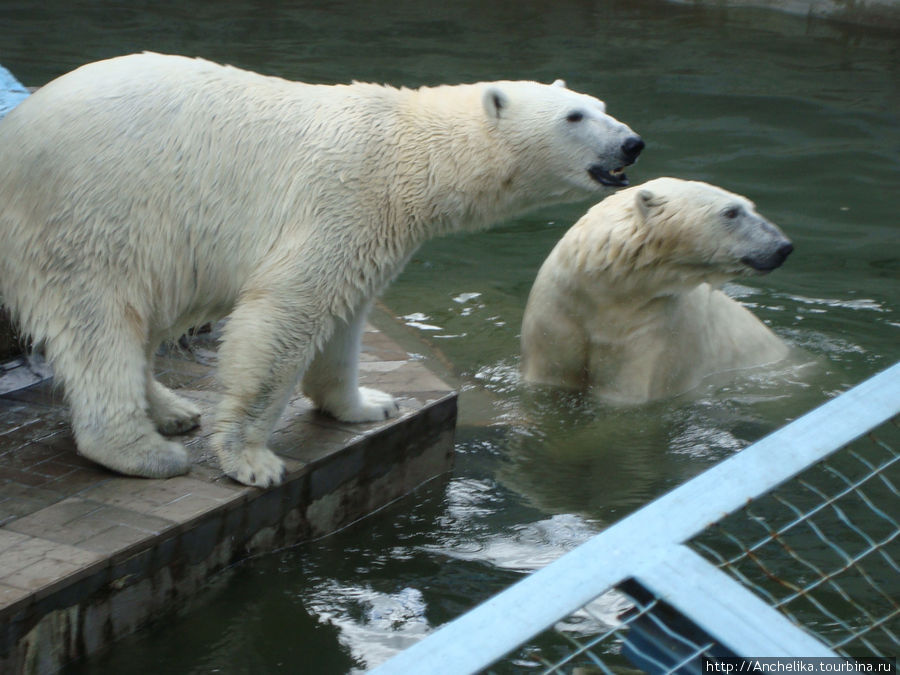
pixel 801 116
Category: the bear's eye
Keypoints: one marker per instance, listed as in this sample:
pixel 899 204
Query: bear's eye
pixel 575 116
pixel 732 212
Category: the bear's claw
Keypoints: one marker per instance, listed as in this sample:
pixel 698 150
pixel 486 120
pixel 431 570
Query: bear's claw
pixel 257 467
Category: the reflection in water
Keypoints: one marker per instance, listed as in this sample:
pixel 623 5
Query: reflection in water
pixel 372 626
pixel 800 116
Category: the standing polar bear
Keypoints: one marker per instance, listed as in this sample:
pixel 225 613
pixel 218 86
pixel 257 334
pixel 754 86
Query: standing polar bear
pixel 627 303
pixel 143 195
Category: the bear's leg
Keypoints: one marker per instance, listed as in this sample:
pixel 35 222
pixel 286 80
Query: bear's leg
pixel 171 413
pixel 266 343
pixel 331 381
pixel 105 383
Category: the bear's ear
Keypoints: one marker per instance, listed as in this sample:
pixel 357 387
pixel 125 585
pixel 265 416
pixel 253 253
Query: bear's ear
pixel 647 200
pixel 494 101
pixel 559 83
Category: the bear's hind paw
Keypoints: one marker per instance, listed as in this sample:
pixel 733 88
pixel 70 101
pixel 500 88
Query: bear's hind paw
pixel 150 456
pixel 170 459
pixel 171 413
pixel 174 425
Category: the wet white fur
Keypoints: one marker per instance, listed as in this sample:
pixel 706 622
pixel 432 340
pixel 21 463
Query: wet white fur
pixel 143 195
pixel 627 304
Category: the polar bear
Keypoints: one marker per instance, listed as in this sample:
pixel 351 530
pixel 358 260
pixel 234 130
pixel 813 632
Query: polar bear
pixel 148 193
pixel 627 302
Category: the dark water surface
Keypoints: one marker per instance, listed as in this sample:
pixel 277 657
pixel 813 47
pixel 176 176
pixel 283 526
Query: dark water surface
pixel 802 117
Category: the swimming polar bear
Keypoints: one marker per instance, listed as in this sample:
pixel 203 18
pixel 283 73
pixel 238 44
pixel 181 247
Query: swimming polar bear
pixel 627 304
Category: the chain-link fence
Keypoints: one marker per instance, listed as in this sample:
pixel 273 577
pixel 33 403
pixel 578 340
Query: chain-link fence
pixel 825 547
pixel 648 634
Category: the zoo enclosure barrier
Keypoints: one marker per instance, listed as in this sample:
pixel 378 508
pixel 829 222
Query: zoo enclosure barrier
pixel 787 550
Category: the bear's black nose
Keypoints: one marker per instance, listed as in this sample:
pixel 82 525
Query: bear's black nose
pixel 632 147
pixel 784 251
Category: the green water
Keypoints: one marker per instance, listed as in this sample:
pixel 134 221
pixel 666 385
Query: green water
pixel 802 117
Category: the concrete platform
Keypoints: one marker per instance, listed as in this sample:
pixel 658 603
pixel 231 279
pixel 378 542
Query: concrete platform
pixel 88 556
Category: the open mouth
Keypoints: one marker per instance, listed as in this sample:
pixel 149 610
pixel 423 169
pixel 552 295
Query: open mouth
pixel 613 178
pixel 759 266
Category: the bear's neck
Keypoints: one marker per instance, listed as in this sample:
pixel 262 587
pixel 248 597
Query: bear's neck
pixel 620 261
pixel 453 172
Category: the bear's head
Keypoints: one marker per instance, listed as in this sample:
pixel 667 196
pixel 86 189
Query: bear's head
pixel 563 139
pixel 702 228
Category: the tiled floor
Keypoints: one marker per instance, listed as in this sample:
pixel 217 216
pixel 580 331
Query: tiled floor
pixel 68 525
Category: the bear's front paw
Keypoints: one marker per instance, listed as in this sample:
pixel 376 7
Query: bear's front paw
pixel 371 405
pixel 256 466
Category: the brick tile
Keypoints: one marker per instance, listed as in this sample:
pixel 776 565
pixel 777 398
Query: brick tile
pixel 29 454
pixel 410 378
pixel 380 346
pixel 51 469
pixel 63 522
pixel 9 540
pixel 206 469
pixel 76 460
pixel 42 572
pixel 18 500
pixel 186 508
pixel 41 424
pixel 134 519
pixel 308 442
pixel 79 479
pixel 75 521
pixel 16 420
pixel 62 442
pixel 11 594
pixel 114 539
pixel 20 553
pixel 13 474
pixel 176 499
